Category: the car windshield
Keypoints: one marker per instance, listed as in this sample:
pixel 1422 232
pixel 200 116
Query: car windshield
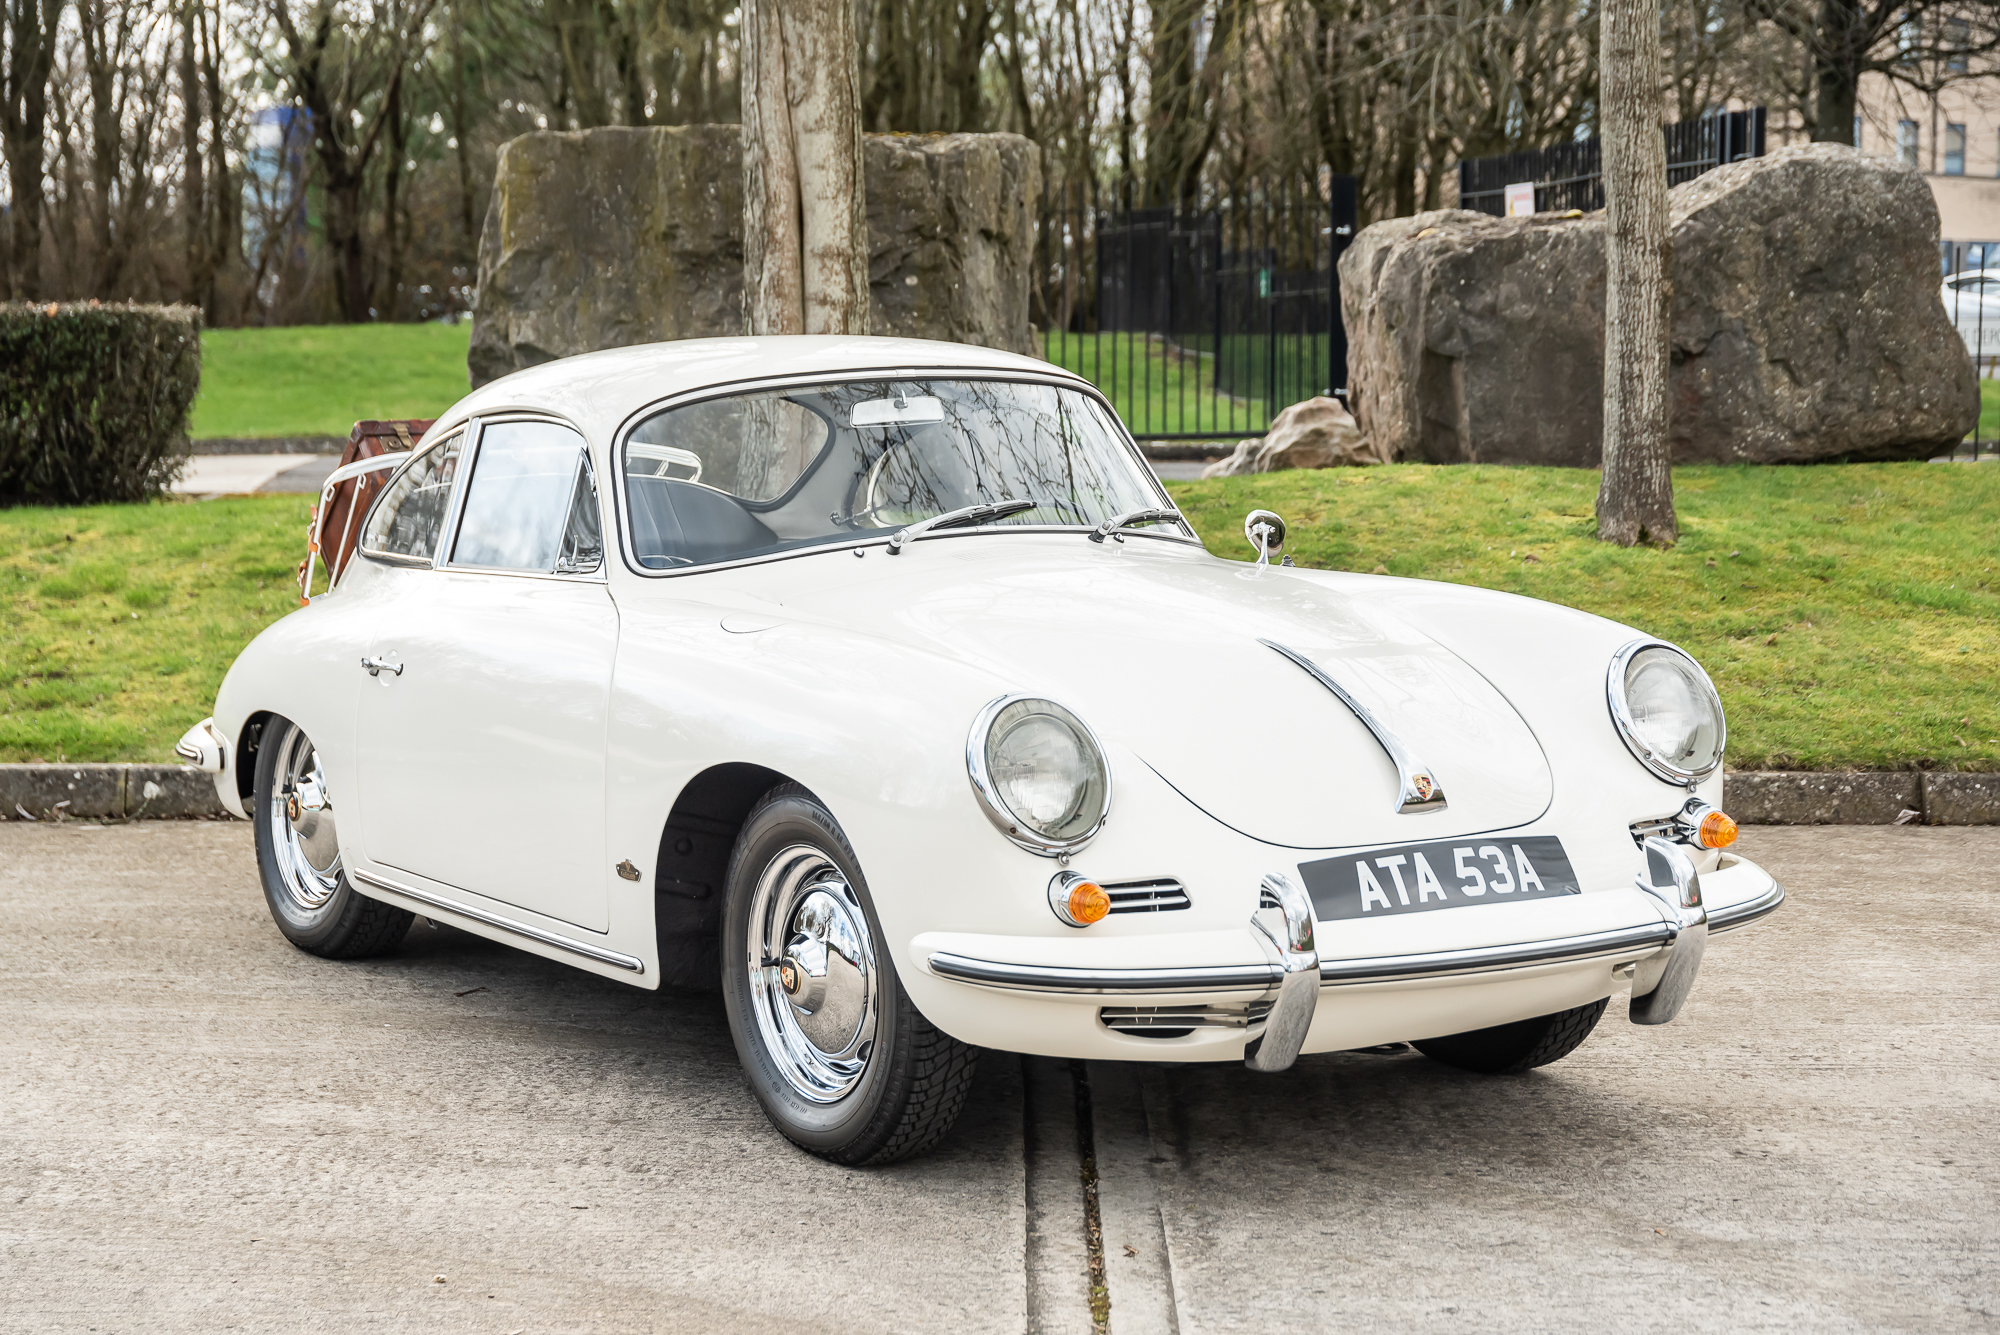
pixel 757 474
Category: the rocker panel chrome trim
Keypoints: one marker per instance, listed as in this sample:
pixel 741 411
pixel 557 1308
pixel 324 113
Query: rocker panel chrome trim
pixel 588 951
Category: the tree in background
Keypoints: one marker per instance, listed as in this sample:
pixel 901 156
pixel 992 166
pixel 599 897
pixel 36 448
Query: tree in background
pixel 29 35
pixel 347 74
pixel 805 218
pixel 1925 45
pixel 150 145
pixel 1635 500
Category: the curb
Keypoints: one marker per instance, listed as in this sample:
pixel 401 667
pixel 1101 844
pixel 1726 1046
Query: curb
pixel 1872 797
pixel 1198 452
pixel 270 445
pixel 120 792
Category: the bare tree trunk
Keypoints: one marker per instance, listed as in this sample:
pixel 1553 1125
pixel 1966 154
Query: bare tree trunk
pixel 24 111
pixel 1635 502
pixel 100 74
pixel 200 278
pixel 394 239
pixel 1837 58
pixel 805 221
pixel 343 140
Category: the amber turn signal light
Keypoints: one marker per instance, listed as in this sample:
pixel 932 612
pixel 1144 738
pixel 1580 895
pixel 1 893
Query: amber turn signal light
pixel 1078 900
pixel 1716 831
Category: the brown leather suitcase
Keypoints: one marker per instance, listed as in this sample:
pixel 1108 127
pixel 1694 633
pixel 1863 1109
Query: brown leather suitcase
pixel 335 529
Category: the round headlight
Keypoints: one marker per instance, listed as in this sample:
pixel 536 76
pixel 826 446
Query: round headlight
pixel 1039 773
pixel 1667 711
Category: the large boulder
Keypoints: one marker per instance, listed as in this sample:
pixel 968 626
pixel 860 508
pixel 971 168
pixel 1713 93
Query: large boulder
pixel 1317 433
pixel 1806 324
pixel 606 238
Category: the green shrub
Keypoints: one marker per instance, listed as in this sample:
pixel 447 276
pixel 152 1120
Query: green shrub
pixel 94 400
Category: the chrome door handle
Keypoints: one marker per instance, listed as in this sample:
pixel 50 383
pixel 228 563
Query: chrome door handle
pixel 377 666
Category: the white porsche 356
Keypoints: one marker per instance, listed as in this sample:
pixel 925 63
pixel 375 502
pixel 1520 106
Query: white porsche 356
pixel 880 683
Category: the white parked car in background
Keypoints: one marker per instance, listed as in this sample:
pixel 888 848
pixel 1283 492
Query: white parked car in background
pixel 1972 299
pixel 880 683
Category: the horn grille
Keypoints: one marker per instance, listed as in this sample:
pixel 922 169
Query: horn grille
pixel 1180 1021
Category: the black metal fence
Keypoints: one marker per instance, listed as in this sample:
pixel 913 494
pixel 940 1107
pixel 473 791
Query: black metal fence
pixel 1570 176
pixel 1971 295
pixel 1198 324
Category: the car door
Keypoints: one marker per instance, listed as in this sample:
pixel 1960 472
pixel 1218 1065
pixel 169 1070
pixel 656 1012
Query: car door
pixel 481 737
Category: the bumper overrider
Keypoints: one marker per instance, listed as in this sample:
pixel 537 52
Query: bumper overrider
pixel 1663 950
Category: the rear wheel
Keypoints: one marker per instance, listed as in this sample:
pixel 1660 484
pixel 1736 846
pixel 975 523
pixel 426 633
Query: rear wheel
pixel 298 856
pixel 842 1062
pixel 1508 1049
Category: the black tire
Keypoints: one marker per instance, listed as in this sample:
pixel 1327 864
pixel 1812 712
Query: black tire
pixel 310 898
pixel 1509 1049
pixel 909 1080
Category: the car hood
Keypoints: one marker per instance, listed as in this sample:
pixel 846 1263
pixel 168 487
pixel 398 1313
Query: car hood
pixel 1166 652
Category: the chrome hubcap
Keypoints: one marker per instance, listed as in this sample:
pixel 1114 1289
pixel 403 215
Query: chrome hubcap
pixel 302 828
pixel 813 975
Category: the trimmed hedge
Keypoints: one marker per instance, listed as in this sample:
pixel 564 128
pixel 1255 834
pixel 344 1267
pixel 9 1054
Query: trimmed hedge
pixel 94 400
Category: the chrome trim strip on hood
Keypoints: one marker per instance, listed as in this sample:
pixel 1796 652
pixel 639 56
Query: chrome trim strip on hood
pixel 1421 790
pixel 582 948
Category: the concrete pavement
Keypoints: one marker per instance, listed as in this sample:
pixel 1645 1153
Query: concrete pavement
pixel 237 474
pixel 205 1129
pixel 1811 1146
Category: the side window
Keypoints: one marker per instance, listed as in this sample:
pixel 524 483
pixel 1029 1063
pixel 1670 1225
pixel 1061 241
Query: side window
pixel 532 502
pixel 411 513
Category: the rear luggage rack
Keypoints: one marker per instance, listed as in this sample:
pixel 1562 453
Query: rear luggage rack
pixel 1155 896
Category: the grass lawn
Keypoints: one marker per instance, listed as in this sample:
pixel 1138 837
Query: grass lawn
pixel 1989 414
pixel 1850 614
pixel 1156 389
pixel 119 620
pixel 318 380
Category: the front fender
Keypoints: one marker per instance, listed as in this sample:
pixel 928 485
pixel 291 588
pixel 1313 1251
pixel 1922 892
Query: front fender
pixel 305 667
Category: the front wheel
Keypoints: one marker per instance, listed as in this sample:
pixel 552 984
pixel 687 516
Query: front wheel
pixel 1508 1049
pixel 298 856
pixel 844 1065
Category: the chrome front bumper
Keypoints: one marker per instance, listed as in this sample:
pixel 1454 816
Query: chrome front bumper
pixel 1652 945
pixel 1333 973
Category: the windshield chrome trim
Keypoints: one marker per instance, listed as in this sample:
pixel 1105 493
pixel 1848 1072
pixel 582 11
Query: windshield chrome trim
pixel 982 530
pixel 1055 376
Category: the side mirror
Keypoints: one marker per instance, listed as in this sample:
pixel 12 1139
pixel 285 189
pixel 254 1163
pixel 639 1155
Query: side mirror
pixel 1266 532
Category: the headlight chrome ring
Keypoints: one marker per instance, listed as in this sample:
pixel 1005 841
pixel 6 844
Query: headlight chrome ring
pixel 1673 769
pixel 1091 798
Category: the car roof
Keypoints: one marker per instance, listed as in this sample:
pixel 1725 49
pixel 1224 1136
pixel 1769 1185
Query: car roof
pixel 599 390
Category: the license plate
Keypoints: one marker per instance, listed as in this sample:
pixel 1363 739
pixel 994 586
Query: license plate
pixel 1449 874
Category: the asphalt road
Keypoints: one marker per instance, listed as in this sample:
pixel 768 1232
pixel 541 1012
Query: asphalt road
pixel 204 1129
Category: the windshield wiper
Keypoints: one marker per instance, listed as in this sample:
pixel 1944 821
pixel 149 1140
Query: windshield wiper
pixel 1152 514
pixel 971 514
